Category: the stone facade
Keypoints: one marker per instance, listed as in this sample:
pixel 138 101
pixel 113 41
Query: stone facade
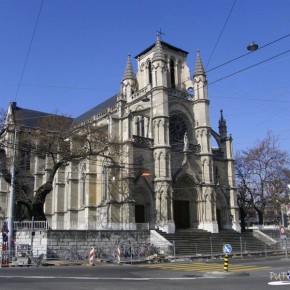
pixel 169 177
pixel 76 244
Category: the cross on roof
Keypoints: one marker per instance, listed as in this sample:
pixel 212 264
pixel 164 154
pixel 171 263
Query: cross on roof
pixel 159 33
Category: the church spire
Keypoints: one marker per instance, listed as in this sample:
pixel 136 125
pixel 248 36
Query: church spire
pixel 158 51
pixel 222 126
pixel 129 73
pixel 198 70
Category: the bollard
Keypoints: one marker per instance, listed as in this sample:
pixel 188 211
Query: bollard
pixel 226 263
pixel 119 254
pixel 91 258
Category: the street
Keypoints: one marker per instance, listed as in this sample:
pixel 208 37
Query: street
pixel 243 274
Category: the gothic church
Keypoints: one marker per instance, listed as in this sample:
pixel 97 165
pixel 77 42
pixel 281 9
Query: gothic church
pixel 171 176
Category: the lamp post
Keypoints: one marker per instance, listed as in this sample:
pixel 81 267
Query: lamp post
pixel 11 197
pixel 84 188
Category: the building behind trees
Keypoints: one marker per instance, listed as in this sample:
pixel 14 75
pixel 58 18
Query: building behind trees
pixel 167 175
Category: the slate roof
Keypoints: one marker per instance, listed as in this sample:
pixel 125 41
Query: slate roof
pixel 95 110
pixel 129 72
pixel 163 43
pixel 198 70
pixel 158 51
pixel 27 117
pixel 30 118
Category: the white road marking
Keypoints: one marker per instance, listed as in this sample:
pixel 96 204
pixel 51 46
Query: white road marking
pixel 108 278
pixel 279 283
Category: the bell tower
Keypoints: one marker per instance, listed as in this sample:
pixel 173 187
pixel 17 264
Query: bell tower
pixel 203 136
pixel 161 148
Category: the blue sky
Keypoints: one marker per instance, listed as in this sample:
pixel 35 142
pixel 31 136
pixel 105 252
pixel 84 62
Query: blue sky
pixel 79 50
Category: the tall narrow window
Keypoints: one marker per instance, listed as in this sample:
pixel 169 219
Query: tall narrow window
pixel 2 159
pixel 138 126
pixel 150 73
pixel 142 129
pixel 105 183
pixel 25 156
pixel 172 74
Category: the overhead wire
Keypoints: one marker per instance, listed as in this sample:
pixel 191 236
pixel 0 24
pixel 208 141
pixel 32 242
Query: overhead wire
pixel 215 81
pixel 245 54
pixel 248 66
pixel 240 70
pixel 220 35
pixel 29 49
pixel 99 89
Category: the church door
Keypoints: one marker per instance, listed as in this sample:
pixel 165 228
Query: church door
pixel 139 214
pixel 219 219
pixel 181 214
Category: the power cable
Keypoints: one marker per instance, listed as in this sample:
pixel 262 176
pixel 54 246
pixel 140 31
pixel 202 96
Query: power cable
pixel 29 48
pixel 248 67
pixel 105 89
pixel 261 47
pixel 220 35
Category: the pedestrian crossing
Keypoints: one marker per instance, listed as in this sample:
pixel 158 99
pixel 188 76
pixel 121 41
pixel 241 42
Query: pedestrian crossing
pixel 204 267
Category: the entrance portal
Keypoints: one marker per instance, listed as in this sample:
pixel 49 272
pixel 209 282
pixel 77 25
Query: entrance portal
pixel 139 214
pixel 181 214
pixel 219 219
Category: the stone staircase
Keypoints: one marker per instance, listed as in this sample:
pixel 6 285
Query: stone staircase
pixel 191 242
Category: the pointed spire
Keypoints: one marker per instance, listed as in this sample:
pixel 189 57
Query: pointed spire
pixel 198 70
pixel 222 119
pixel 222 126
pixel 158 51
pixel 129 72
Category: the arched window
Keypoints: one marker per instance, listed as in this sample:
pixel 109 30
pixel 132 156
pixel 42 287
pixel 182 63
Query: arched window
pixel 140 127
pixel 150 72
pixel 172 74
pixel 177 129
pixel 190 93
pixel 24 161
pixel 2 160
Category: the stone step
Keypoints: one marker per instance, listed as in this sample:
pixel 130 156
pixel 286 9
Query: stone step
pixel 195 242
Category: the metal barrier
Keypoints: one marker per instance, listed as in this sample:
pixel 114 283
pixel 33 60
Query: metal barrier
pixel 211 248
pixel 33 225
pixel 130 251
pixel 22 255
pixel 94 225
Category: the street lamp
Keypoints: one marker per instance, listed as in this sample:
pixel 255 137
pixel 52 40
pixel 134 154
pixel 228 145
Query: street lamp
pixel 252 46
pixel 11 197
pixel 84 188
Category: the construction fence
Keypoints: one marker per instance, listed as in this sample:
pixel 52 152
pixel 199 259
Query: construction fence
pixel 35 244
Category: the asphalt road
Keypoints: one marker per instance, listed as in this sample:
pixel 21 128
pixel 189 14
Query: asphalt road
pixel 243 274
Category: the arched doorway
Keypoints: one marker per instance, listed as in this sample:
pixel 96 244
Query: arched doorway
pixel 185 203
pixel 143 211
pixel 222 210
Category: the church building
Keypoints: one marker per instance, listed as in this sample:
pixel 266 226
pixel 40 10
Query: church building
pixel 169 177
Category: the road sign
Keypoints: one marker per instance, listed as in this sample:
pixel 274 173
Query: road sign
pixel 227 249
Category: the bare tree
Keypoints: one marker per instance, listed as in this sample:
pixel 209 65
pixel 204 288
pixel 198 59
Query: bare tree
pixel 2 118
pixel 56 141
pixel 262 177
